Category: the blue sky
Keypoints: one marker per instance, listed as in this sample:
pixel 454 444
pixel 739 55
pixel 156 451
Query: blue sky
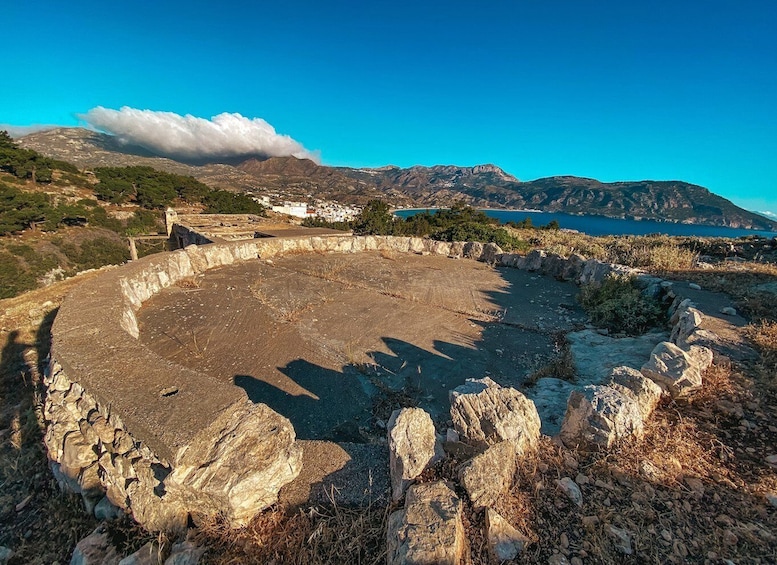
pixel 603 89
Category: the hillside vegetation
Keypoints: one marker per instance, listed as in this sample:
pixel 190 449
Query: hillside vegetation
pixel 56 220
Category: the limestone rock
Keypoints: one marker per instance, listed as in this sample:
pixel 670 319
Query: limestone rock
pixel 687 322
pixel 473 250
pixel 238 464
pixel 413 447
pixel 185 553
pixel 490 253
pixel 485 413
pixel 728 311
pixel 632 383
pixel 486 477
pixel 677 371
pixel 429 530
pixel 534 260
pixel 594 355
pixel 600 416
pixel 571 490
pixel 504 541
pixel 95 549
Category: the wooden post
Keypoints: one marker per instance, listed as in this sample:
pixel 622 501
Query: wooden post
pixel 133 249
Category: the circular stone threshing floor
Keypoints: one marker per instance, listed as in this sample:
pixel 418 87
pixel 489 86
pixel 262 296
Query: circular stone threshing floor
pixel 334 341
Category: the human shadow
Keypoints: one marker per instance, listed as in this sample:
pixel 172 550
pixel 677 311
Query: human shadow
pixel 335 405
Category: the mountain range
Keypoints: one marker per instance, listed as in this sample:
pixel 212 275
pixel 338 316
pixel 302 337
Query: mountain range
pixel 418 186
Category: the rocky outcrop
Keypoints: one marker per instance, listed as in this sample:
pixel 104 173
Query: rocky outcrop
pixel 484 413
pixel 429 529
pixel 413 447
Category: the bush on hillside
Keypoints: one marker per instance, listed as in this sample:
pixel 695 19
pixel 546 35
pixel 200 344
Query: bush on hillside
pixel 618 305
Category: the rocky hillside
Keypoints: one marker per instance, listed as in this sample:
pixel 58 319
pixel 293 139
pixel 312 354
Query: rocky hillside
pixel 482 185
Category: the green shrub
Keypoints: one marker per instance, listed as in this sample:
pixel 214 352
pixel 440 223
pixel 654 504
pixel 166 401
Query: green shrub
pixel 14 278
pixel 94 253
pixel 618 305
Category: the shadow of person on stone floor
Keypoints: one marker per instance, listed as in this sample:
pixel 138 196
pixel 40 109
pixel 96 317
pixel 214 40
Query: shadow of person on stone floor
pixel 334 404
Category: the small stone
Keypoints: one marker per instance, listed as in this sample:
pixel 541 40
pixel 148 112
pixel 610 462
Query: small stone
pixel 695 485
pixel 504 541
pixel 5 555
pixel 771 459
pixel 666 534
pixel 772 499
pixel 575 561
pixel 570 488
pixel 104 510
pixel 730 538
pixel 728 311
pixel 694 286
pixel 95 549
pixel 558 559
pixel 149 554
pixel 621 538
pixel 451 435
pixel 184 553
pixel 563 540
pixel 581 479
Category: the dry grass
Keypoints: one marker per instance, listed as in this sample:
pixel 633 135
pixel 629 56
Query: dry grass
pixel 687 491
pixel 318 535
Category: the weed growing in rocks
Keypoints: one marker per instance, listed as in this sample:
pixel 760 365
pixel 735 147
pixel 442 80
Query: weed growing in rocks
pixel 618 305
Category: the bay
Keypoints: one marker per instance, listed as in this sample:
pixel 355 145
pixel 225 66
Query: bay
pixel 601 225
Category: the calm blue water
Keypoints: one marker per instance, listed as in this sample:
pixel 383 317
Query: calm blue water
pixel 599 225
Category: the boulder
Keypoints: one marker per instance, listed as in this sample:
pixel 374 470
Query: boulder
pixel 687 321
pixel 429 530
pixel 534 260
pixel 485 413
pixel 600 416
pixel 413 447
pixel 473 250
pixel 504 541
pixel 677 371
pixel 632 383
pixel 487 476
pixel 490 253
pixel 241 473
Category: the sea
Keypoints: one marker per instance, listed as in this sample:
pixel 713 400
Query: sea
pixel 600 225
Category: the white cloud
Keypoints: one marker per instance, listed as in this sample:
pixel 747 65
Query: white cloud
pixel 192 138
